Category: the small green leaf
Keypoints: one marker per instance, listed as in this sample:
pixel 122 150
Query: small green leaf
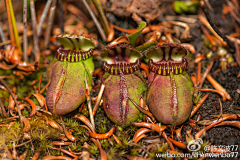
pixel 183 6
pixel 177 7
pixel 145 59
pixel 146 46
pixel 133 37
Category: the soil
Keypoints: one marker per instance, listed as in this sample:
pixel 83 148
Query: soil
pixel 223 135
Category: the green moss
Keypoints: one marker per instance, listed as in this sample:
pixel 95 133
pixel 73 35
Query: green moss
pixel 103 129
pixel 112 153
pixel 25 112
pixel 197 97
pixel 160 148
pixel 105 143
pixel 85 113
pixel 76 147
pixel 94 149
pixel 70 122
pixel 34 99
pixel 42 134
pixel 135 153
pixel 55 152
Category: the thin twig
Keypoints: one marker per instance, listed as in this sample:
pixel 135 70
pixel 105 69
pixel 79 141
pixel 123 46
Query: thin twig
pixel 9 155
pixel 63 125
pixel 102 16
pixel 206 72
pixel 206 2
pixel 22 144
pixel 168 141
pixel 230 44
pixel 233 39
pixel 212 90
pixel 3 111
pixel 2 36
pixel 89 102
pixel 220 107
pixel 217 86
pixel 200 102
pixel 50 23
pixel 25 57
pixel 209 37
pixel 9 90
pixel 233 14
pixel 10 23
pixel 98 99
pixel 186 32
pixel 142 109
pixel 99 27
pixel 35 37
pixel 199 73
pixel 67 133
pixel 43 17
pixel 29 33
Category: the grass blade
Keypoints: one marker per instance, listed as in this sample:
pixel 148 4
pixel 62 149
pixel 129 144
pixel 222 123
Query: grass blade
pixel 10 23
pixel 102 17
pixel 15 27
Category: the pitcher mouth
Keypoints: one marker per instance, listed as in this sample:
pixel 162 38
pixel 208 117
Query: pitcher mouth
pixel 73 55
pixel 126 68
pixel 121 58
pixel 75 48
pixel 165 68
pixel 167 58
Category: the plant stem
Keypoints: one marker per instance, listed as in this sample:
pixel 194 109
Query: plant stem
pixel 25 45
pixel 98 99
pixel 43 17
pixel 50 23
pixel 15 27
pixel 102 17
pixel 9 90
pixel 29 33
pixel 35 37
pixel 99 27
pixel 2 36
pixel 230 44
pixel 10 23
pixel 3 111
pixel 89 103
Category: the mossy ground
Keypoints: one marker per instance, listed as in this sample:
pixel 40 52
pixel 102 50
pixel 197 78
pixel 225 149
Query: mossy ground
pixel 41 134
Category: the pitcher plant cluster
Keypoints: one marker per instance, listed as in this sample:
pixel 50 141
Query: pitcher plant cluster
pixel 168 93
